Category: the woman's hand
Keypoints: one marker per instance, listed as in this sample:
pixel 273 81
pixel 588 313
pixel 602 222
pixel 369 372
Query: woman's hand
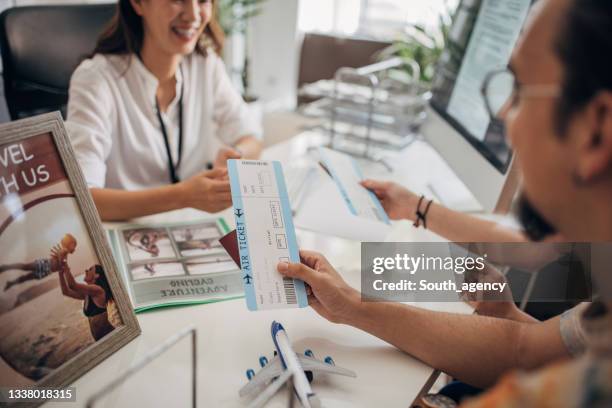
pixel 59 255
pixel 63 268
pixel 329 295
pixel 398 202
pixel 207 191
pixel 224 154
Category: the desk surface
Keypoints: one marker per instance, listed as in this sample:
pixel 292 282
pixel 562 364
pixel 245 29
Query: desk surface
pixel 231 339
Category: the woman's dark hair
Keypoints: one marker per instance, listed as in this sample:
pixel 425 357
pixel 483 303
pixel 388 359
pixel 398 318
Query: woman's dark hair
pixel 103 282
pixel 125 33
pixel 584 46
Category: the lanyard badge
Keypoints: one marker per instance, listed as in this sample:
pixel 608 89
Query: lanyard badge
pixel 173 167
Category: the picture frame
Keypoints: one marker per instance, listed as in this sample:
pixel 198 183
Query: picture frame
pixel 40 182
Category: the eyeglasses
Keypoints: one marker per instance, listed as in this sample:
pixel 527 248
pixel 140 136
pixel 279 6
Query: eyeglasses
pixel 501 91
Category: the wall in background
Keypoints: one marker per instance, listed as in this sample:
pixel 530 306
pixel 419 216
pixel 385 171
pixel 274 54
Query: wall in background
pixel 273 43
pixel 4 4
pixel 373 19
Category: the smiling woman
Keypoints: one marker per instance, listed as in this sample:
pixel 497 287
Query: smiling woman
pixel 152 114
pixel 125 33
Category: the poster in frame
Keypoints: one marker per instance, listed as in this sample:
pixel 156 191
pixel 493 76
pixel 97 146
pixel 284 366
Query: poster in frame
pixel 63 307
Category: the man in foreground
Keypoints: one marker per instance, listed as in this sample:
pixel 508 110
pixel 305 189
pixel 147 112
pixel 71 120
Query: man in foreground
pixel 559 122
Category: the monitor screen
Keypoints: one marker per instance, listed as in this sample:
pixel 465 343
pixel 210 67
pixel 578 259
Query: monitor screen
pixel 481 39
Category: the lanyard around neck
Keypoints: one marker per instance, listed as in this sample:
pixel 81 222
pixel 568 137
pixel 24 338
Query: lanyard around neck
pixel 173 168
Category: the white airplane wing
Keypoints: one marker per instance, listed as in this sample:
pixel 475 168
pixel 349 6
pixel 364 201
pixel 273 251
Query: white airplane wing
pixel 273 369
pixel 261 382
pixel 312 364
pixel 270 391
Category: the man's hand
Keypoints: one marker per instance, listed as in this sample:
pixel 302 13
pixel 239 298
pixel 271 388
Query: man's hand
pixel 224 154
pixel 328 294
pixel 493 304
pixel 399 203
pixel 207 191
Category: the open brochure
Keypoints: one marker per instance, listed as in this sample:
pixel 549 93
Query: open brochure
pixel 175 264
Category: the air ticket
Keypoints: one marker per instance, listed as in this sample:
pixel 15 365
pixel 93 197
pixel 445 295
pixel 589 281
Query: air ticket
pixel 265 234
pixel 346 173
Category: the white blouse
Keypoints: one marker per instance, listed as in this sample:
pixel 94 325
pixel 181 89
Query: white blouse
pixel 115 131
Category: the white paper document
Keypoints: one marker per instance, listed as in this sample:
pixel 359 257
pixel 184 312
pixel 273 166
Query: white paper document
pixel 265 234
pixel 347 175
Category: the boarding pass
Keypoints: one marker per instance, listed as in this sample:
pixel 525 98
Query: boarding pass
pixel 265 234
pixel 347 175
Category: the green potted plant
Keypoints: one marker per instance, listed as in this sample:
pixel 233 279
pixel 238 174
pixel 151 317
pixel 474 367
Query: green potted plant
pixel 421 45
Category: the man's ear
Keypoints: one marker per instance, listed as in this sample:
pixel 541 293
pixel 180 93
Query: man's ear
pixel 137 6
pixel 595 152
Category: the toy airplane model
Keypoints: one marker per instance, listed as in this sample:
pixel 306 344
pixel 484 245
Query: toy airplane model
pixel 284 366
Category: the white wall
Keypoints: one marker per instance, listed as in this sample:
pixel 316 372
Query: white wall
pixel 274 54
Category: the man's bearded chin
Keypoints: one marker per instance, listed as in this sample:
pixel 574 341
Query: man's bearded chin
pixel 534 225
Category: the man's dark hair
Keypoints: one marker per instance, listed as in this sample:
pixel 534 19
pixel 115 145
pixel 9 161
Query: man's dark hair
pixel 534 225
pixel 584 46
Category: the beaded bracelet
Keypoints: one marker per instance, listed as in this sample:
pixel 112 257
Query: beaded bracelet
pixel 421 216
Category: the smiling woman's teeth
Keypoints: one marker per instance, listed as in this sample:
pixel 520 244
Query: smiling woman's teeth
pixel 187 34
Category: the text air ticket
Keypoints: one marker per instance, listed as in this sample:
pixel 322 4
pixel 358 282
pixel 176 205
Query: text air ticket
pixel 346 173
pixel 265 233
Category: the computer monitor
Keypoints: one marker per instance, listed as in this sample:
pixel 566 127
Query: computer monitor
pixel 482 38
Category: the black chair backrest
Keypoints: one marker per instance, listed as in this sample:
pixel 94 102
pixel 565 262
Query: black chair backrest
pixel 41 47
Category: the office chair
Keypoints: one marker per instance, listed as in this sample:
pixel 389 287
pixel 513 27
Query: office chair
pixel 322 55
pixel 41 47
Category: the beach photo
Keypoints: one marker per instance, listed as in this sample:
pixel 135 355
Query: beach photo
pixel 55 299
pixel 62 306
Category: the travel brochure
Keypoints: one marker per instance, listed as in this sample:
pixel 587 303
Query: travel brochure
pixel 175 264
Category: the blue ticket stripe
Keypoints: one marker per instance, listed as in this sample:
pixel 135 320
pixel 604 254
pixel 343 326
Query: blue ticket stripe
pixel 243 244
pixel 340 186
pixel 382 215
pixel 294 253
